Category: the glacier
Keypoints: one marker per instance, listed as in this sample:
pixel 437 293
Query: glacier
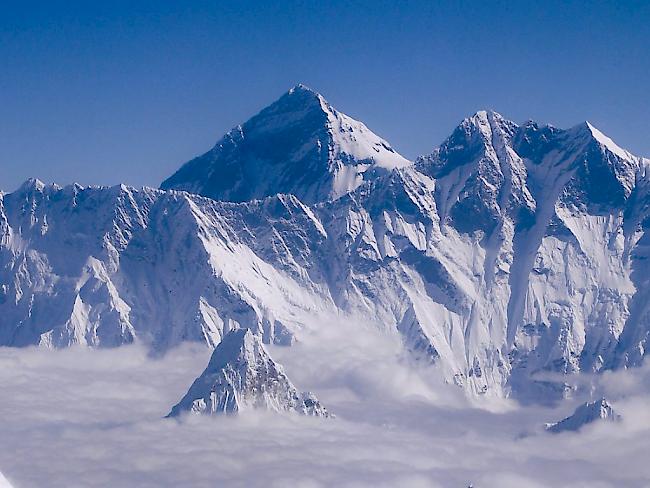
pixel 512 256
pixel 300 145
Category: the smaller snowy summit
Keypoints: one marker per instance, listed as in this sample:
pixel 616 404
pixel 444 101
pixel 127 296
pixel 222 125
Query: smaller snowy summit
pixel 585 414
pixel 242 376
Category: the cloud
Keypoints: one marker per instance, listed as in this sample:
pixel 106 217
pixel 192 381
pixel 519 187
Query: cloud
pixel 94 419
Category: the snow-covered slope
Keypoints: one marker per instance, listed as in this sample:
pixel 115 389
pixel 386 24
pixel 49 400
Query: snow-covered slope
pixel 107 266
pixel 300 144
pixel 507 252
pixel 585 414
pixel 242 376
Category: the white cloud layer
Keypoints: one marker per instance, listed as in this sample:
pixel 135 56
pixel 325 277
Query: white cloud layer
pixel 79 418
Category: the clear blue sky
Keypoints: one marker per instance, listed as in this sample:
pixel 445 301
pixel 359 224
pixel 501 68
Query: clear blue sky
pixel 127 91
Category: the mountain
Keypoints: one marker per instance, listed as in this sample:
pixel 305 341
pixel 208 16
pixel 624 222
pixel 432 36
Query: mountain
pixel 557 221
pixel 509 252
pixel 109 266
pixel 300 145
pixel 585 414
pixel 242 376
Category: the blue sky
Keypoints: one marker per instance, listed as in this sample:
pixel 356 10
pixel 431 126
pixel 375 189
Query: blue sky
pixel 127 91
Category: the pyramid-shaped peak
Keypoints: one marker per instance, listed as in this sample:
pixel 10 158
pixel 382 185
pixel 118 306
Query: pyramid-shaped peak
pixel 605 141
pixel 298 97
pixel 486 114
pixel 470 138
pixel 301 88
pixel 299 144
pixel 242 376
pixel 489 120
pixel 31 185
pixel 238 345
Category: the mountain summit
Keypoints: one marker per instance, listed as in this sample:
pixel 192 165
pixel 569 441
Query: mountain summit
pixel 242 376
pixel 586 413
pixel 300 145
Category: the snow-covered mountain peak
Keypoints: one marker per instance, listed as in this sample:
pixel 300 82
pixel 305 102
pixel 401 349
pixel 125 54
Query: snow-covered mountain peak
pixel 605 173
pixel 489 121
pixel 485 127
pixel 240 347
pixel 479 175
pixel 490 164
pixel 302 90
pixel 33 188
pixel 587 413
pixel 483 134
pixel 30 185
pixel 301 87
pixel 295 106
pixel 242 376
pixel 608 143
pixel 299 144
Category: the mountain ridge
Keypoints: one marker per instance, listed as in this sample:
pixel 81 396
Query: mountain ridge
pixel 508 252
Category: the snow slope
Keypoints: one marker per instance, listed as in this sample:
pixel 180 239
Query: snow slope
pixel 507 253
pixel 107 266
pixel 299 144
pixel 241 376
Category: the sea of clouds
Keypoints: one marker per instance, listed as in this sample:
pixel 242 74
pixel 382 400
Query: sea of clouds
pixel 82 418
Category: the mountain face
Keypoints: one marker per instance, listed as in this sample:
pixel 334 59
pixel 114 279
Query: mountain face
pixel 585 414
pixel 242 376
pixel 559 222
pixel 106 266
pixel 300 145
pixel 508 252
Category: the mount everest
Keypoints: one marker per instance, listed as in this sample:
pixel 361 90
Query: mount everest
pixel 507 256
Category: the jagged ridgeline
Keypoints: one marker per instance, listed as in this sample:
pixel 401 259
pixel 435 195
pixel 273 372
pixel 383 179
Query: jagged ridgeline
pixel 508 251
